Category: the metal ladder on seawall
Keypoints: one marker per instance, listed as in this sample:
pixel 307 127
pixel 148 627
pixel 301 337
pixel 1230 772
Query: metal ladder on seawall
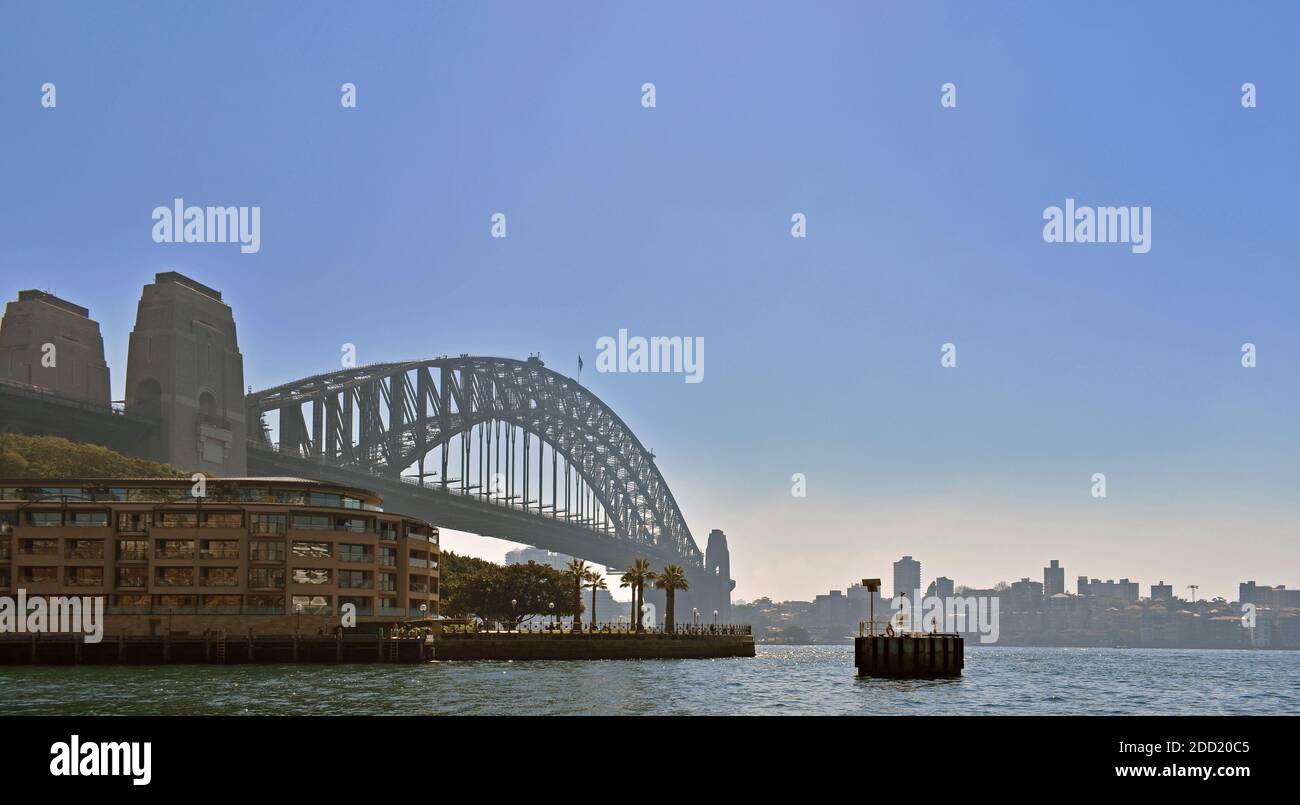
pixel 393 650
pixel 219 649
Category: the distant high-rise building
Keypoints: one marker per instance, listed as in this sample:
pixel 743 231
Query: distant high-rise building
pixel 866 604
pixel 1053 579
pixel 1122 590
pixel 1262 595
pixel 1026 596
pixel 1162 591
pixel 942 587
pixel 522 556
pixel 907 577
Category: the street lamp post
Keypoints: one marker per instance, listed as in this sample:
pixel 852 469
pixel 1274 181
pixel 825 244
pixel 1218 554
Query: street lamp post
pixel 552 606
pixel 297 608
pixel 514 603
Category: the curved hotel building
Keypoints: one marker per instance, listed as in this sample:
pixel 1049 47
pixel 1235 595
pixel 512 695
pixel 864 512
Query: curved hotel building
pixel 274 555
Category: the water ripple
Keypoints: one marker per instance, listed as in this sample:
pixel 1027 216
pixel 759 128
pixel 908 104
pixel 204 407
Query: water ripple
pixel 780 680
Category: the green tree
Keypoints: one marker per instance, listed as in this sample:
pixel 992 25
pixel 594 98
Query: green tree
pixel 635 576
pixel 474 588
pixel 577 570
pixel 24 456
pixel 671 579
pixel 596 581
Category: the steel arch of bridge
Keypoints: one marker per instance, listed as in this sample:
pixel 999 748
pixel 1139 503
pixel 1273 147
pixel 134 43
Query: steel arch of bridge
pixel 385 418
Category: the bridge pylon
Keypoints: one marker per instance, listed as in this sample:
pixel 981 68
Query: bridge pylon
pixel 184 370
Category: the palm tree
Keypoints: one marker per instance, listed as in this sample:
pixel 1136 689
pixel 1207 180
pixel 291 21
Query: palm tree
pixel 578 569
pixel 635 576
pixel 671 579
pixel 628 579
pixel 596 581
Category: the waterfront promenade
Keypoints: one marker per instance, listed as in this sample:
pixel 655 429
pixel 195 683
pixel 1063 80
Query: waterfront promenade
pixel 602 642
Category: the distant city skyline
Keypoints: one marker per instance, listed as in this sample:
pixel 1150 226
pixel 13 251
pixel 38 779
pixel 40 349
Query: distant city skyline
pixel 924 228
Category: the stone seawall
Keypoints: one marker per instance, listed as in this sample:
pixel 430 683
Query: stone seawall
pixel 592 647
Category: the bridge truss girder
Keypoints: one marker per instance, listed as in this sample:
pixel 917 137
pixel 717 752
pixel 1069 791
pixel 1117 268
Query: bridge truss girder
pixel 387 418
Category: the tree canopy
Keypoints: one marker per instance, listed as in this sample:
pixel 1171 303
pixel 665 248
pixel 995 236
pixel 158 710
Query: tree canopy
pixel 475 588
pixel 24 456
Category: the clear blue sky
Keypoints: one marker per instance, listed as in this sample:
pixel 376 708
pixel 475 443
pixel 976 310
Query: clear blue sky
pixel 822 354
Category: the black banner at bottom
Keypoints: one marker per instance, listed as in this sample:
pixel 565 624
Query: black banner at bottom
pixel 270 754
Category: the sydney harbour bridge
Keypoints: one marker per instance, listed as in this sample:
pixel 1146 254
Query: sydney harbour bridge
pixel 498 447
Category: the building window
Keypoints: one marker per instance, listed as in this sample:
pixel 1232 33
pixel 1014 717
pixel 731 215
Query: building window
pixel 266 524
pixel 223 520
pixel 264 604
pixel 419 584
pixel 84 549
pixel 132 578
pixel 88 519
pixel 134 522
pixel 174 601
pixel 38 547
pixel 312 522
pixel 168 519
pixel 311 604
pixel 266 578
pixel 387 556
pixel 132 549
pixel 228 602
pixel 311 576
pixel 219 549
pixel 355 553
pixel 325 500
pixel 175 549
pixel 85 577
pixel 219 577
pixel 313 550
pixel 44 519
pixel 266 551
pixel 38 575
pixel 174 576
pixel 387 530
pixel 388 582
pixel 132 601
pixel 365 606
pixel 356 525
pixel 355 579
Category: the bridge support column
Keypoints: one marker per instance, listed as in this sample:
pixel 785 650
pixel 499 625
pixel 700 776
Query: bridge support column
pixel 185 371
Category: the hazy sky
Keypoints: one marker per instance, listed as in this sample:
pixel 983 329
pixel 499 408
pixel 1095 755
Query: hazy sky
pixel 822 354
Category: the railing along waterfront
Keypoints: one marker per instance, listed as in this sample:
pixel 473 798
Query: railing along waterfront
pixel 471 631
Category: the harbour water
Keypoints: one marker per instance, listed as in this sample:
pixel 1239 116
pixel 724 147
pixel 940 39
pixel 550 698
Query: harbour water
pixel 812 680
